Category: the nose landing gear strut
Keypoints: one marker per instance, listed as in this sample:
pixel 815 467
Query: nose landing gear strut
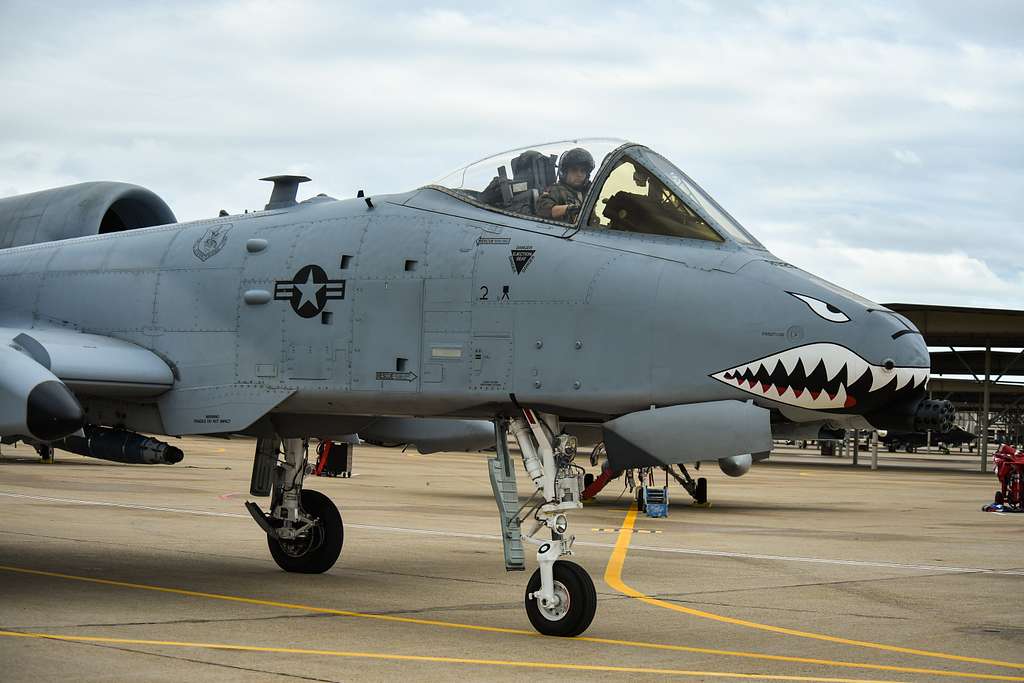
pixel 560 596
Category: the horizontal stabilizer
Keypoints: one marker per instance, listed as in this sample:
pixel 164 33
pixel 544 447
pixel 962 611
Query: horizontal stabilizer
pixel 687 433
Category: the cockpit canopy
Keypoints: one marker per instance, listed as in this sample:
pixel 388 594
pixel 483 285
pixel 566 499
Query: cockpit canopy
pixel 631 189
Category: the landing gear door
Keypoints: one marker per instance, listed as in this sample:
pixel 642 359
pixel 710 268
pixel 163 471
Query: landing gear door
pixel 387 335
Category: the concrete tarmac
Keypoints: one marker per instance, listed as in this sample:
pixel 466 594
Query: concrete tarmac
pixel 111 572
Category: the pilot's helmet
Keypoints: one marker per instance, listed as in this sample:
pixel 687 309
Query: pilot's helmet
pixel 577 157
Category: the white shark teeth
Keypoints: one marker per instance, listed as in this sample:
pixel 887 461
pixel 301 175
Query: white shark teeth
pixel 904 376
pixel 833 364
pixel 834 359
pixel 810 356
pixel 855 368
pixel 840 399
pixel 880 377
pixel 789 360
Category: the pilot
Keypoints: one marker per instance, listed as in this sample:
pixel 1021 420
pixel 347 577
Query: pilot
pixel 563 200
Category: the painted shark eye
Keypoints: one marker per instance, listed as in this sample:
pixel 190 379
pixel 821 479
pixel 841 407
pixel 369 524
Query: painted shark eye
pixel 822 309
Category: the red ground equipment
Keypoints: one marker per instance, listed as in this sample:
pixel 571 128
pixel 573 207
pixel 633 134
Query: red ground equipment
pixel 333 460
pixel 1009 466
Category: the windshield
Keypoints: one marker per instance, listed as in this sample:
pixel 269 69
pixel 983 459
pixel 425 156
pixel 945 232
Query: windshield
pixel 632 199
pixel 695 198
pixel 534 181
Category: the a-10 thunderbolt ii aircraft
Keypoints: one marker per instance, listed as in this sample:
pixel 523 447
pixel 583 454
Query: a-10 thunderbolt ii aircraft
pixel 644 313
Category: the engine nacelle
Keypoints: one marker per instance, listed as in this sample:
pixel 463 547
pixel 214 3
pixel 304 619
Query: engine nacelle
pixel 78 211
pixel 33 402
pixel 737 465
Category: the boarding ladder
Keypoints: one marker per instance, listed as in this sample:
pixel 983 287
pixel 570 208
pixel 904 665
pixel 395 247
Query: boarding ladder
pixel 506 496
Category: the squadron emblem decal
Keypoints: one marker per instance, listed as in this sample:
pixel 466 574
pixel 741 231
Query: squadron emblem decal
pixel 212 241
pixel 309 291
pixel 521 257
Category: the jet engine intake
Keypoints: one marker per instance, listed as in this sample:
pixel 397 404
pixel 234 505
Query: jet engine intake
pixel 77 211
pixel 121 446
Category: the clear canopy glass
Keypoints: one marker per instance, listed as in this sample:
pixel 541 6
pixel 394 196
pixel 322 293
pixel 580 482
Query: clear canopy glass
pixel 639 191
pixel 514 180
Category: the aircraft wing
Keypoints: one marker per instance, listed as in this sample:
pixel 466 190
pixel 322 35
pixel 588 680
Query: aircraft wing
pixel 41 371
pixel 92 364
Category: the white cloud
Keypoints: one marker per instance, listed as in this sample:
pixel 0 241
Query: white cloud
pixel 885 127
pixel 906 156
pixel 951 277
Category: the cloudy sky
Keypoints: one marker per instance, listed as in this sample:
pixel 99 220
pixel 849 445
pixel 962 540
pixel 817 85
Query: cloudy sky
pixel 878 144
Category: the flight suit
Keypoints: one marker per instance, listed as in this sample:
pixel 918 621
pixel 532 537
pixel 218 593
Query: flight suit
pixel 558 194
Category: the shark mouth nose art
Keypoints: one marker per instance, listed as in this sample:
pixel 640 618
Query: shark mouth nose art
pixel 822 376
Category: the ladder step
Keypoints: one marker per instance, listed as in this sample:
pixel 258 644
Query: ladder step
pixel 506 495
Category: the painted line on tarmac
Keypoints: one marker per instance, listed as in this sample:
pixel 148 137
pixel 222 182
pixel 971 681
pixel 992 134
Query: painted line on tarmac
pixel 589 544
pixel 434 659
pixel 512 631
pixel 613 577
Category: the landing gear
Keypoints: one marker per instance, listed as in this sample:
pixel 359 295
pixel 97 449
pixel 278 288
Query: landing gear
pixel 575 607
pixel 304 528
pixel 45 452
pixel 697 488
pixel 560 596
pixel 317 550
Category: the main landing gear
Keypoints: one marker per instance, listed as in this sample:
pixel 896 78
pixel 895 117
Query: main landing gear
pixel 304 528
pixel 305 532
pixel 697 488
pixel 560 596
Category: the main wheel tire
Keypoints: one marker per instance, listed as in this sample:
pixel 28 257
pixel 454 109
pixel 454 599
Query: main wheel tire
pixel 320 550
pixel 701 496
pixel 579 601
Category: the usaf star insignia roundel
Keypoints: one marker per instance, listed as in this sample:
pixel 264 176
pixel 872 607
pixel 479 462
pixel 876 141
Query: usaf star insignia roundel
pixel 309 291
pixel 212 241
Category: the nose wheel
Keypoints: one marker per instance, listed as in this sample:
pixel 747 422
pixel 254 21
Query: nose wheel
pixel 574 604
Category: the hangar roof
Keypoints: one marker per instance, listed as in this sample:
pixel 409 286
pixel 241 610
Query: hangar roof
pixel 966 394
pixel 963 326
pixel 944 385
pixel 973 362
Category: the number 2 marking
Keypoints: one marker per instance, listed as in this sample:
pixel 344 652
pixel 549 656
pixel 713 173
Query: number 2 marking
pixel 483 293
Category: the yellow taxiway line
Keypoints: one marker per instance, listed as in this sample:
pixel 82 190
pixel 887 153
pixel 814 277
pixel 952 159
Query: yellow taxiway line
pixel 613 577
pixel 434 659
pixel 512 631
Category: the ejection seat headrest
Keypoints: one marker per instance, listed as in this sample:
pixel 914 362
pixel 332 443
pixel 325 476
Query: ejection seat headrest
pixel 535 168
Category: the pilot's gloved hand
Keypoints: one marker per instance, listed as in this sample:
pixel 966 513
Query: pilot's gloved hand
pixel 572 212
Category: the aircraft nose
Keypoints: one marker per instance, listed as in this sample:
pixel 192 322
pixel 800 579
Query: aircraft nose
pixel 906 408
pixel 890 336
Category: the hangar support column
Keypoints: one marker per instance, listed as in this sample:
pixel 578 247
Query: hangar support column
pixel 985 405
